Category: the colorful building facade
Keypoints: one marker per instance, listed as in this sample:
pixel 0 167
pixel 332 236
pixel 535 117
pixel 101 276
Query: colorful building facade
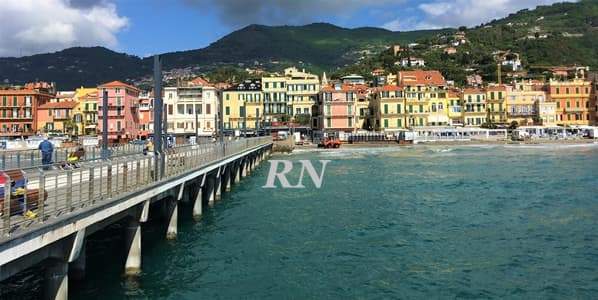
pixel 573 101
pixel 18 110
pixel 243 105
pixel 123 111
pixel 337 109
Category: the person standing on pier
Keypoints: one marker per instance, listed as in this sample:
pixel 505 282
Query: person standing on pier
pixel 47 149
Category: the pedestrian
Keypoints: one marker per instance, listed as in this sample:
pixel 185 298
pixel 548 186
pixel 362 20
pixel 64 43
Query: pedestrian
pixel 46 148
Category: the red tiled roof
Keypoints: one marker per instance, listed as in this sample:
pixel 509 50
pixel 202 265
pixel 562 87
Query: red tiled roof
pixel 54 105
pixel 360 88
pixel 495 88
pixel 420 77
pixel 473 91
pixel 116 84
pixel 387 88
pixel 199 81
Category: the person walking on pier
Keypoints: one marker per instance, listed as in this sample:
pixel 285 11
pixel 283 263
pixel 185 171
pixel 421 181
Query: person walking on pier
pixel 46 149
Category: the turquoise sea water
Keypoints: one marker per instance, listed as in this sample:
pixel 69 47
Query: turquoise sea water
pixel 424 222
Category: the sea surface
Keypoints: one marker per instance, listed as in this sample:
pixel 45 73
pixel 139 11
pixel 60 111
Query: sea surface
pixel 419 222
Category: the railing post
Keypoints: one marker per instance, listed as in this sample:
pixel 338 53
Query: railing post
pixel 41 203
pixel 137 173
pixel 125 171
pixel 6 208
pixel 91 183
pixel 109 181
pixel 69 190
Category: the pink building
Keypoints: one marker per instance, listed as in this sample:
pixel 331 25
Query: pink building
pixel 123 111
pixel 146 115
pixel 338 107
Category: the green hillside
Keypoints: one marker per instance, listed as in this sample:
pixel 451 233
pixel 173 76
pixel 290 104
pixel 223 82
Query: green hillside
pixel 559 34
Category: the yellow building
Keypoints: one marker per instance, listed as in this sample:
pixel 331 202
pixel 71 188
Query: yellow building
pixel 387 107
pixel 243 106
pixel 88 107
pixel 496 104
pixel 521 103
pixel 275 98
pixel 474 107
pixel 454 108
pixel 422 89
pixel 302 92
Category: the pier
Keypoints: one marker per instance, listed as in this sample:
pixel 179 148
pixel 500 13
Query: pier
pixel 73 204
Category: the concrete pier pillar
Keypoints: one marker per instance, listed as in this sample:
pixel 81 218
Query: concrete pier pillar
pixel 172 230
pixel 210 185
pixel 218 187
pixel 133 244
pixel 237 172
pixel 244 169
pixel 77 267
pixel 56 281
pixel 198 205
pixel 227 178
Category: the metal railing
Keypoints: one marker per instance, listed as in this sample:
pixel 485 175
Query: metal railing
pixel 21 159
pixel 55 193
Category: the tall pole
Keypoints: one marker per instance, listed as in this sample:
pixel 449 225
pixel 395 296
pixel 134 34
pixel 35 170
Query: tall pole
pixel 244 119
pixel 196 122
pixel 158 115
pixel 105 124
pixel 220 116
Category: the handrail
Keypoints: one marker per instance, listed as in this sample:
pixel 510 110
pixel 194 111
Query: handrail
pixel 54 193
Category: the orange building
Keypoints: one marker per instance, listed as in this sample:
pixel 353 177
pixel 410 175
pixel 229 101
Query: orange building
pixel 18 109
pixel 55 116
pixel 574 105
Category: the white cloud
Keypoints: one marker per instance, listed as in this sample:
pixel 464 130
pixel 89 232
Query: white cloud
pixel 453 13
pixel 34 26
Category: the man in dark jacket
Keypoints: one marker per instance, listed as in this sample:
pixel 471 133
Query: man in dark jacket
pixel 46 148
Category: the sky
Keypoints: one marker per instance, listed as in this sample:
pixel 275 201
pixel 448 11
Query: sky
pixel 147 27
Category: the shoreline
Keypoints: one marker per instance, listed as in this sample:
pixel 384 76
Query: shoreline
pixel 453 143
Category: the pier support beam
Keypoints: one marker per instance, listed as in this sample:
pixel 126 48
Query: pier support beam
pixel 237 171
pixel 244 169
pixel 198 204
pixel 172 215
pixel 77 267
pixel 227 177
pixel 56 281
pixel 210 190
pixel 217 186
pixel 133 244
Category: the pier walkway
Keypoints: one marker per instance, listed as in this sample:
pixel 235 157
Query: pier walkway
pixel 72 204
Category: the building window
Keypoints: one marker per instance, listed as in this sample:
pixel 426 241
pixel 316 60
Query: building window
pixel 386 108
pixel 208 109
pixel 170 109
pixel 227 111
pixel 180 109
pixel 189 109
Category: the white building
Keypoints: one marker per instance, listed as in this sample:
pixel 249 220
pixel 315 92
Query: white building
pixel 190 103
pixel 412 62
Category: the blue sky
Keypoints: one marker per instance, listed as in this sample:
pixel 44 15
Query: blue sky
pixel 146 27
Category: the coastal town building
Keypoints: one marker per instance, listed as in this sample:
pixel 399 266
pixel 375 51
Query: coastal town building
pixel 19 107
pixel 88 104
pixel 302 92
pixel 496 96
pixel 146 115
pixel 454 107
pixel 412 62
pixel 421 89
pixel 62 115
pixel 275 99
pixel 337 109
pixel 474 106
pixel 521 103
pixel 123 111
pixel 191 107
pixel 243 106
pixel 387 107
pixel 573 101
